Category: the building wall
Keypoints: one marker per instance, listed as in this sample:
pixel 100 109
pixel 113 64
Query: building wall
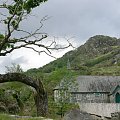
pixel 112 98
pixel 84 97
pixel 90 98
pixel 102 109
pixel 56 95
pixel 61 95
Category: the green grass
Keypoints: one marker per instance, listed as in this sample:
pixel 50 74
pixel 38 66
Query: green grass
pixel 29 119
pixel 112 70
pixel 101 58
pixel 7 117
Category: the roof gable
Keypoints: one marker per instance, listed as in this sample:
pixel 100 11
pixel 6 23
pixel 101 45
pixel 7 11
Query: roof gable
pixel 113 91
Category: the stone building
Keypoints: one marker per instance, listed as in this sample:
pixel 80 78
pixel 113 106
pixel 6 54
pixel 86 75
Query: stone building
pixel 100 93
pixel 95 89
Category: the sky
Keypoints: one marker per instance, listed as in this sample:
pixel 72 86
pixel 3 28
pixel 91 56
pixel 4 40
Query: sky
pixel 75 19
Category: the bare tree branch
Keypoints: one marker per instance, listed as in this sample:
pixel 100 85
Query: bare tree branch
pixel 32 40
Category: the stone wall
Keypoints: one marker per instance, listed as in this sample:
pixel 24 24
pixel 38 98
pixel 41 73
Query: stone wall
pixel 102 109
pixel 92 97
pixel 115 116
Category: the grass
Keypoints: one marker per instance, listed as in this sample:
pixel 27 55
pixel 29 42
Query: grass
pixel 101 58
pixel 112 70
pixel 8 117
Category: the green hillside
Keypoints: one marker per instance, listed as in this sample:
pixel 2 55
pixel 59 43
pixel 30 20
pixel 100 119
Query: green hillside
pixel 100 55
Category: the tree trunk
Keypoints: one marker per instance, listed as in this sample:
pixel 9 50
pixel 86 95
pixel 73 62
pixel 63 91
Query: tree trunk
pixel 41 104
pixel 41 96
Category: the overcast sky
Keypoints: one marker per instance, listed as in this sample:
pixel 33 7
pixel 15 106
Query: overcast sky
pixel 80 19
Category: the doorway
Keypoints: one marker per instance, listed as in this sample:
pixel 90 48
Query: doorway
pixel 117 98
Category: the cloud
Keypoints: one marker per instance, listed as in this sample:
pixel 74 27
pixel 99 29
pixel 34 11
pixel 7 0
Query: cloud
pixel 81 18
pixel 27 58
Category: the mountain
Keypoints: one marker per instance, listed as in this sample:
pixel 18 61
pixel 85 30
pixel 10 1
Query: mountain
pixel 100 55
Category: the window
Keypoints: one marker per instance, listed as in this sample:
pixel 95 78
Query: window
pixel 97 94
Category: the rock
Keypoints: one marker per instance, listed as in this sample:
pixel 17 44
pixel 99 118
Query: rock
pixel 76 114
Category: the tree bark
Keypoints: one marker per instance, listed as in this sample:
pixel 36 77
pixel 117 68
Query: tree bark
pixel 41 96
pixel 41 101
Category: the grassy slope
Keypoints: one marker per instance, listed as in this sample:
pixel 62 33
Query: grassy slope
pixel 98 52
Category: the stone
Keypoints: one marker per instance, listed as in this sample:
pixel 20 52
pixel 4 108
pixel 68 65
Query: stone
pixel 76 114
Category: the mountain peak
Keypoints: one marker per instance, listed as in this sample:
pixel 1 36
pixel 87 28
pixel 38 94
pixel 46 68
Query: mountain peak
pixel 102 41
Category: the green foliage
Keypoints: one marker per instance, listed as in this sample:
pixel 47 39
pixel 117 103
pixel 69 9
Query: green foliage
pixel 1 37
pixel 61 110
pixel 63 100
pixel 7 45
pixel 2 95
pixel 23 5
pixel 29 4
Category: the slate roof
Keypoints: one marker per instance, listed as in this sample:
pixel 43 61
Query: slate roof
pixel 96 83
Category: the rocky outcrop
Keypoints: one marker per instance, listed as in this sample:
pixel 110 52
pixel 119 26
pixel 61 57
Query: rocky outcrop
pixel 76 114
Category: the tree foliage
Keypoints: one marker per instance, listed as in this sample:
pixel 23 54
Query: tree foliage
pixel 64 96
